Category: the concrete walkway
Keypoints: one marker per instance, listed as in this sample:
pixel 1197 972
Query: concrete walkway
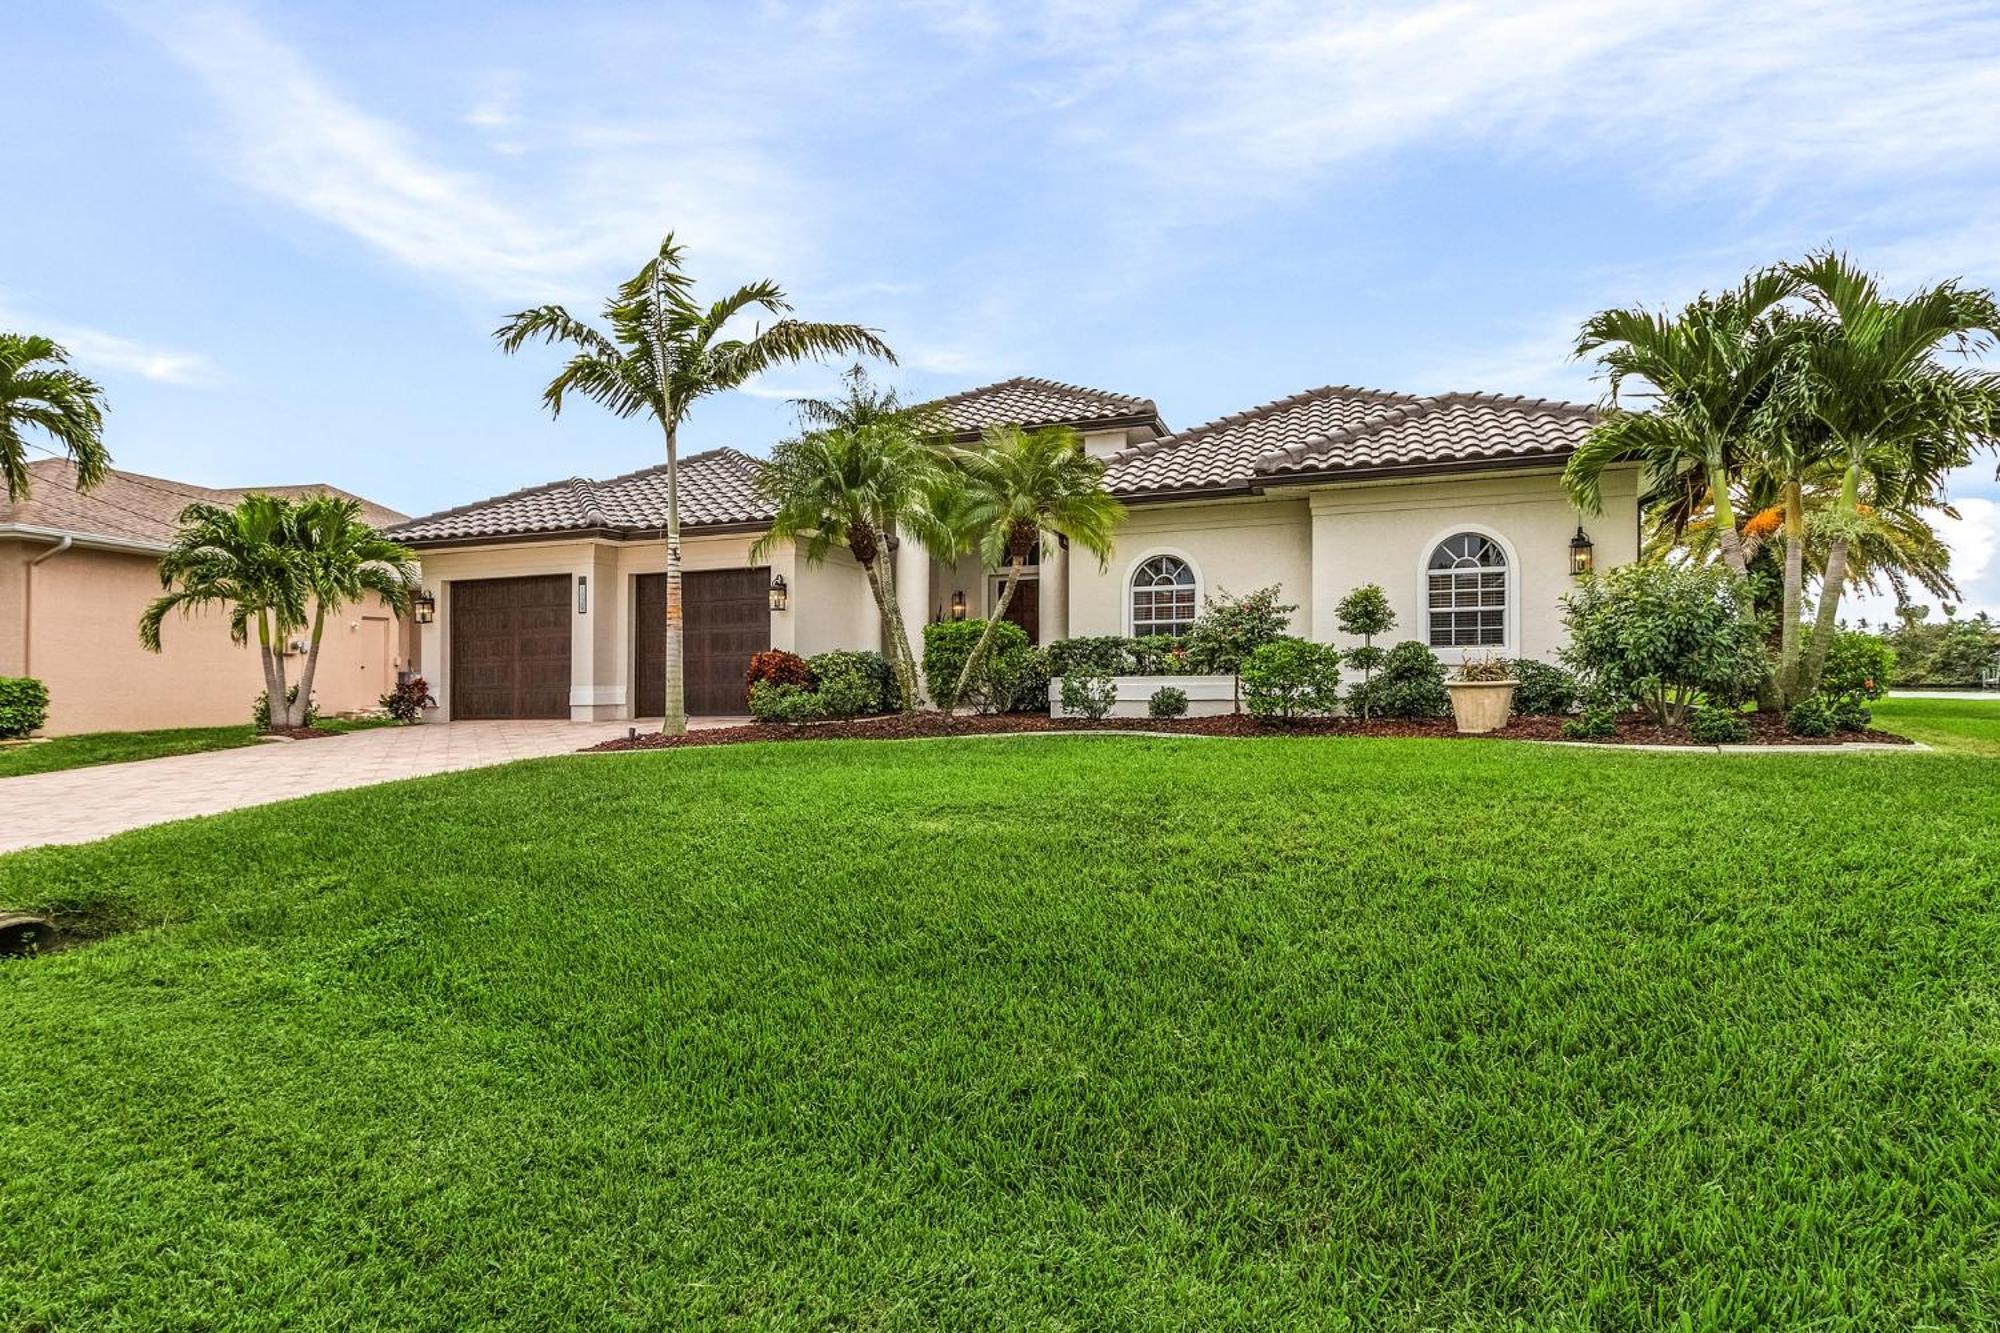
pixel 84 804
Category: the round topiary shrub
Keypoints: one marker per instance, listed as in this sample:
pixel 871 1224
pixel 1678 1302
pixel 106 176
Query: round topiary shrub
pixel 24 705
pixel 1410 684
pixel 1167 702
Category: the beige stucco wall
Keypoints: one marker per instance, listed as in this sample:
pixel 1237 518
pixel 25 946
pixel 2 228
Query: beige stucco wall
pixel 1384 534
pixel 1233 545
pixel 830 605
pixel 83 643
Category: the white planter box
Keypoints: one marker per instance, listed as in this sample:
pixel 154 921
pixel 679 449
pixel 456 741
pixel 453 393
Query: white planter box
pixel 1208 696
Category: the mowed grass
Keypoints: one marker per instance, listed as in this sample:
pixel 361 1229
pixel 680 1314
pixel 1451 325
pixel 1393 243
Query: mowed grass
pixel 1077 1033
pixel 118 747
pixel 1969 726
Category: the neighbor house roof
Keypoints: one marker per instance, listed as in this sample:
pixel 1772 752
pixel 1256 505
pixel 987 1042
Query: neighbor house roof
pixel 1026 401
pixel 1341 431
pixel 130 509
pixel 715 492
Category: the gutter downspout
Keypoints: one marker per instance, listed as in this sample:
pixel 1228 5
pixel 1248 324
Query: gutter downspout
pixel 28 603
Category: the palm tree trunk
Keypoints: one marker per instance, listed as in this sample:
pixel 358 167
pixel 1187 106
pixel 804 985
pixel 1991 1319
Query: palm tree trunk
pixel 1795 573
pixel 675 723
pixel 1832 583
pixel 1730 540
pixel 882 582
pixel 295 715
pixel 980 648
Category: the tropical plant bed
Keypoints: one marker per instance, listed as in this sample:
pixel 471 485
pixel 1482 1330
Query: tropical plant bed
pixel 1632 729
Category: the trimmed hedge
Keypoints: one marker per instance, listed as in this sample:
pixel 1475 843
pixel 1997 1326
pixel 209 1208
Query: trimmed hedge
pixel 24 705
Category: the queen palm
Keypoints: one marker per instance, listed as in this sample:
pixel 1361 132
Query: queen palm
pixel 1012 489
pixel 342 560
pixel 243 560
pixel 1705 373
pixel 40 393
pixel 860 487
pixel 1890 418
pixel 662 353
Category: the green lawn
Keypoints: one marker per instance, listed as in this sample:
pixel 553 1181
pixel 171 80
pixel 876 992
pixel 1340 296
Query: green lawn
pixel 1966 725
pixel 117 747
pixel 1077 1033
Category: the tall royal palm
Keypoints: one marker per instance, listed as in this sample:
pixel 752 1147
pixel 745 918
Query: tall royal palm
pixel 663 352
pixel 342 560
pixel 1893 418
pixel 1703 375
pixel 1014 488
pixel 39 393
pixel 242 560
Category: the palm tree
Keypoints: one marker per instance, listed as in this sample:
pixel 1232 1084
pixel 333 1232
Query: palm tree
pixel 663 353
pixel 862 487
pixel 1013 488
pixel 342 560
pixel 242 559
pixel 39 391
pixel 1706 372
pixel 1891 419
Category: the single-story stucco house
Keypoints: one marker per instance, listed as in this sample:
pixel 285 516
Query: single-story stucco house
pixel 548 600
pixel 78 568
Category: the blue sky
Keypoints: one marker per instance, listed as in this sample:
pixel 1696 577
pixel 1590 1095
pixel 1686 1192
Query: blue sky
pixel 282 234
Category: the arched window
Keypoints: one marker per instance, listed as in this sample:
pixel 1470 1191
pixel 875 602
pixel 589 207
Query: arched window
pixel 1467 586
pixel 1162 596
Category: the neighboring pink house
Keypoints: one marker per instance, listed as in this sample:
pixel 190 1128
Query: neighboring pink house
pixel 76 571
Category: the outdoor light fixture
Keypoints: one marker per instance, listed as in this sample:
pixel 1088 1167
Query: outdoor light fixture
pixel 582 595
pixel 426 603
pixel 780 594
pixel 958 605
pixel 1579 553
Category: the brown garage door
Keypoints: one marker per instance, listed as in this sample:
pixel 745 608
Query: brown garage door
pixel 510 647
pixel 726 618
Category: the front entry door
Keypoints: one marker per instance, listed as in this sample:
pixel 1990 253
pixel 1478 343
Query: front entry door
pixel 1026 608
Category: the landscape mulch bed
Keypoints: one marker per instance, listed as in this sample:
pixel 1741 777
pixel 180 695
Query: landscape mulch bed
pixel 299 733
pixel 1632 730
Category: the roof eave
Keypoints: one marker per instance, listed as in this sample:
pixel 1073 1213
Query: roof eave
pixel 599 534
pixel 80 537
pixel 1324 476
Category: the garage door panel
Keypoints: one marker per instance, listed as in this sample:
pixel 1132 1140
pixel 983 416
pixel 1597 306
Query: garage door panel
pixel 726 619
pixel 510 647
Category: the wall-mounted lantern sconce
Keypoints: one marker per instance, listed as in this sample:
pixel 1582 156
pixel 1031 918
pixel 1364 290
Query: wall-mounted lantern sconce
pixel 958 605
pixel 781 596
pixel 426 604
pixel 582 595
pixel 1579 553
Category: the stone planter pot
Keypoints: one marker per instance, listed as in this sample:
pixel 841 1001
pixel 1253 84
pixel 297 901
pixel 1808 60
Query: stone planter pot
pixel 1481 705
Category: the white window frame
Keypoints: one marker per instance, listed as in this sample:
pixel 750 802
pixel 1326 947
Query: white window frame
pixel 1511 615
pixel 1125 588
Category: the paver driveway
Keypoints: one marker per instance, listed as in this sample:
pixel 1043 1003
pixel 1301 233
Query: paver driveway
pixel 81 804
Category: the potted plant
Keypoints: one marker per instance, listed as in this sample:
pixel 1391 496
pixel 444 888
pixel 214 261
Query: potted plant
pixel 1482 694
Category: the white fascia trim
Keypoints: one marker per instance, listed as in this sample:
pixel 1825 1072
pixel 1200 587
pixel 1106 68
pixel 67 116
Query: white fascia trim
pixel 97 541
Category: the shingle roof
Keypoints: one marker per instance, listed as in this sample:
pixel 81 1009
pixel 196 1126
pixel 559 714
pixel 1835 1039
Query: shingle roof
pixel 1339 429
pixel 714 486
pixel 127 506
pixel 1026 401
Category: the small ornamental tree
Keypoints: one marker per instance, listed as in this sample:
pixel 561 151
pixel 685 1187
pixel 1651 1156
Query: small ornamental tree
pixel 1365 612
pixel 1666 636
pixel 1229 629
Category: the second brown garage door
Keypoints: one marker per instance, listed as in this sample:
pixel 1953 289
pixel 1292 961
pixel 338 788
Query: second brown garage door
pixel 726 617
pixel 510 647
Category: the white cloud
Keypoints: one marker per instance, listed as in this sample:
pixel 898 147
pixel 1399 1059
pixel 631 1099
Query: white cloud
pixel 601 197
pixel 94 351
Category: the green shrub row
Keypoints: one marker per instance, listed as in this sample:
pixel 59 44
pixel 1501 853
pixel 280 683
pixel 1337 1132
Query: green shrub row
pixel 785 687
pixel 24 705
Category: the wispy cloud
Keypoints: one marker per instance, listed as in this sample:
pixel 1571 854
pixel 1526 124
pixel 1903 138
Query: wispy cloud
pixel 95 351
pixel 595 196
